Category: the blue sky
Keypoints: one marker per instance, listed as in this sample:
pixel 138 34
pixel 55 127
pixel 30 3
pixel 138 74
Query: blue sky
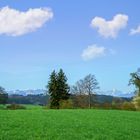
pixel 81 37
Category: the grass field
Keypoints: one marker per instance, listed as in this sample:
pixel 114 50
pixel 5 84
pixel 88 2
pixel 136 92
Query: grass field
pixel 36 123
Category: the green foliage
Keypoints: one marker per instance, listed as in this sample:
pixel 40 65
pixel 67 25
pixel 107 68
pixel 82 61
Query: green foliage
pixel 52 90
pixel 66 104
pixel 62 86
pixel 39 99
pixel 80 101
pixel 128 106
pixel 69 125
pixel 46 107
pixel 3 96
pixel 136 102
pixel 15 106
pixel 116 106
pixel 135 80
pixel 57 88
pixel 2 106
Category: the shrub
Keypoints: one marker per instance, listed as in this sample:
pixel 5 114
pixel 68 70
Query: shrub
pixel 136 102
pixel 15 106
pixel 2 107
pixel 107 106
pixel 46 107
pixel 128 106
pixel 80 101
pixel 66 104
pixel 117 106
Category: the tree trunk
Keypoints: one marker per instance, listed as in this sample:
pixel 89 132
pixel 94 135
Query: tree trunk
pixel 89 100
pixel 139 92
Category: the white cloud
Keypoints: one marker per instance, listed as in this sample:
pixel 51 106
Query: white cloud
pixel 15 23
pixel 110 28
pixel 92 52
pixel 135 31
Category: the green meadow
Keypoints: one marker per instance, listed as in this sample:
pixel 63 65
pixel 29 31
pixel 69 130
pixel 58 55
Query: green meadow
pixel 36 123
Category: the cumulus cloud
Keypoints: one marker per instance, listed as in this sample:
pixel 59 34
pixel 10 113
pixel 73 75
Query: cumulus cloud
pixel 14 22
pixel 92 52
pixel 135 31
pixel 109 29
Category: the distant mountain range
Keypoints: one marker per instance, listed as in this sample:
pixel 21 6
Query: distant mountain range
pixel 27 92
pixel 114 92
pixel 117 93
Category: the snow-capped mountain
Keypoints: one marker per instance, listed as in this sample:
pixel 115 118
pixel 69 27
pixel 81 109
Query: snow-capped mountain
pixel 114 92
pixel 117 93
pixel 27 92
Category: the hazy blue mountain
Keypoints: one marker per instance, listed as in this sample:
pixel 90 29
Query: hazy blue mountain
pixel 27 92
pixel 114 92
pixel 117 93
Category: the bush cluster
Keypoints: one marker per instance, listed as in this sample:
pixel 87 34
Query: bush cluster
pixel 123 106
pixel 15 106
pixel 136 102
pixel 66 104
pixel 70 104
pixel 128 106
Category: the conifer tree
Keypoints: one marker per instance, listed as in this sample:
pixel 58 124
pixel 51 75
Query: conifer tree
pixel 63 88
pixel 58 88
pixel 52 90
pixel 3 96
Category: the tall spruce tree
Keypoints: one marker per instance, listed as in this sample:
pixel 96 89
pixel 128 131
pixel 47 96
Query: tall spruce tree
pixel 58 88
pixel 63 87
pixel 52 90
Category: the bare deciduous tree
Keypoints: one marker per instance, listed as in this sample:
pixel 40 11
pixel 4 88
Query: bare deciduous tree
pixel 90 85
pixel 86 86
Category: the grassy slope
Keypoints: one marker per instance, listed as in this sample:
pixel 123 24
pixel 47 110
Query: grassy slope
pixel 39 124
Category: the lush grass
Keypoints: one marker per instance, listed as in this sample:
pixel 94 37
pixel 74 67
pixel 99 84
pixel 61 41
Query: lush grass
pixel 38 124
pixel 2 106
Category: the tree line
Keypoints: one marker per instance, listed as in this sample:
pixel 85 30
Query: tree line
pixel 60 91
pixel 85 89
pixel 135 80
pixel 80 94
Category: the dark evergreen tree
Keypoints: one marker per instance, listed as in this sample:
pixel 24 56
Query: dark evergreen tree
pixel 52 90
pixel 58 88
pixel 63 87
pixel 3 96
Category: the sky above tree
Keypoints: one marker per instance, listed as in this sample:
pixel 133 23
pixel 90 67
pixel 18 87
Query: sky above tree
pixel 81 37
